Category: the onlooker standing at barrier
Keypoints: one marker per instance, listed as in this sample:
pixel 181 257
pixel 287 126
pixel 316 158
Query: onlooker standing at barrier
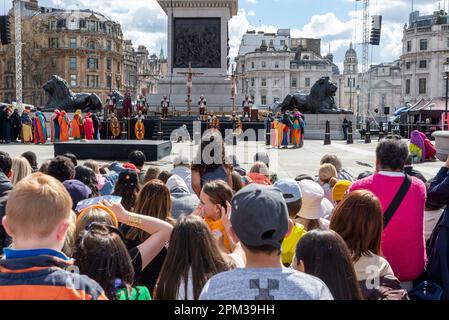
pixel 403 199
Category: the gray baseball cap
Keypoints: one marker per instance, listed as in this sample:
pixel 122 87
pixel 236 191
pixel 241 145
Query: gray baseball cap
pixel 290 190
pixel 260 216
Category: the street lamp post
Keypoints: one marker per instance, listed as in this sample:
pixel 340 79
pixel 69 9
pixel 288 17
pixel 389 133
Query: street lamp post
pixel 446 71
pixel 350 93
pixel 358 90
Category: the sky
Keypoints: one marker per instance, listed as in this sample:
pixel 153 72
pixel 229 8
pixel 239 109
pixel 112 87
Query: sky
pixel 336 22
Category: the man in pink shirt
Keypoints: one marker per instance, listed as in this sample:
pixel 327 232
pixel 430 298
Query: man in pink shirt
pixel 403 243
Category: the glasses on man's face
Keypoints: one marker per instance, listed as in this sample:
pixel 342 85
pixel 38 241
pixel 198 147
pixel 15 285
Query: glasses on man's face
pixel 95 226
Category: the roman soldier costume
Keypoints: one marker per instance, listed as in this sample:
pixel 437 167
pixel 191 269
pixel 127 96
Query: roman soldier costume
pixel 165 104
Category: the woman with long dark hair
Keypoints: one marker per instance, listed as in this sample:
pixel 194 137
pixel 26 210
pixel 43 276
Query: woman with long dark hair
pixel 127 187
pixel 87 176
pixel 153 201
pixel 192 259
pixel 210 162
pixel 324 254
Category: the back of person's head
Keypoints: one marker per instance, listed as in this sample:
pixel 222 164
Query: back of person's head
pixel 5 163
pixel 93 165
pixel 340 189
pixel 332 159
pixel 181 161
pixel 72 158
pixel 304 177
pixel 20 168
pixel 292 195
pixel 61 168
pixel 154 200
pixel 237 184
pixel 327 172
pixel 176 184
pixel 219 192
pixel 194 249
pixel 260 218
pixel 137 158
pixel 358 220
pixel 324 254
pixel 127 187
pixel 87 176
pixel 101 254
pixel 32 158
pixel 97 213
pixel 151 174
pixel 164 176
pixel 391 154
pixel 261 168
pixel 365 174
pixel 36 207
pixel 78 191
pixel 262 157
pixel 314 205
pixel 211 153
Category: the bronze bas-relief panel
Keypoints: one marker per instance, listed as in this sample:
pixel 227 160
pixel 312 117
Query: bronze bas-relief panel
pixel 197 41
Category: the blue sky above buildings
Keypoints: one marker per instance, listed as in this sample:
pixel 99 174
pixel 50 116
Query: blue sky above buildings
pixel 336 22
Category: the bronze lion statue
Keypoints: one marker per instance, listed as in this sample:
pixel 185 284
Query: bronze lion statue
pixel 320 100
pixel 61 97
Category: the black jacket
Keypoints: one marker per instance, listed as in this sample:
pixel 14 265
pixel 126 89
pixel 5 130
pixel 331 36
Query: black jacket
pixel 5 187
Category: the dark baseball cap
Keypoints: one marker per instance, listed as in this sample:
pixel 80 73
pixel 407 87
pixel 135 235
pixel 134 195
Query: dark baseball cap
pixel 260 216
pixel 78 191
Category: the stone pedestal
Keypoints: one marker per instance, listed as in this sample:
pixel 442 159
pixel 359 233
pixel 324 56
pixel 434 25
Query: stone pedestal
pixel 316 126
pixel 442 144
pixel 198 36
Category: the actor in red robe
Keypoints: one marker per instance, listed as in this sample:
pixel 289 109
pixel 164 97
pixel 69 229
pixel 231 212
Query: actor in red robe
pixel 88 127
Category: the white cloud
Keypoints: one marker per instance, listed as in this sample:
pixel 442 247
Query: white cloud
pixel 251 1
pixel 251 13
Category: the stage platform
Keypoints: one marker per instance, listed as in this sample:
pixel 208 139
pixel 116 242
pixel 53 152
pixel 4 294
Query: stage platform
pixel 114 149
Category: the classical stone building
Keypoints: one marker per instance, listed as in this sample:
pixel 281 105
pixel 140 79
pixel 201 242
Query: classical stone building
pixel 269 69
pixel 130 69
pixel 425 49
pixel 348 82
pixel 83 47
pixel 150 69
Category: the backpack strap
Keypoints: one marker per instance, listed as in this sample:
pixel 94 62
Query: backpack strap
pixel 397 200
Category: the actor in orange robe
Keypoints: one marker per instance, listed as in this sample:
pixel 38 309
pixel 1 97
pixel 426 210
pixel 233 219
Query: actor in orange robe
pixel 64 126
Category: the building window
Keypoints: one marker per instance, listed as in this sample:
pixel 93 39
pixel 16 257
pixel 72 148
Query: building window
pixel 91 45
pixel 118 66
pixel 276 82
pixel 253 65
pixel 422 86
pixel 263 100
pixel 82 24
pixel 109 82
pixel 282 43
pixel 73 82
pixel 264 64
pixel 276 64
pixel 264 82
pixel 307 82
pixel 109 64
pixel 294 82
pixel 423 44
pixel 409 46
pixel 92 63
pixel 73 44
pixel 423 64
pixel 53 43
pixel 253 82
pixel 407 86
pixel 408 65
pixel 109 45
pixel 72 63
pixel 52 25
pixel 92 81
